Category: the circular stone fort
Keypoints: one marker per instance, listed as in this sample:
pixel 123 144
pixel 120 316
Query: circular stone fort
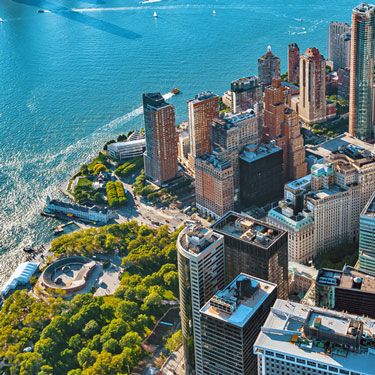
pixel 69 274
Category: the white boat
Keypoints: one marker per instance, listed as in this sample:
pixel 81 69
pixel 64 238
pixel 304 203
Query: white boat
pixel 1 20
pixel 214 12
pixel 150 1
pixel 155 15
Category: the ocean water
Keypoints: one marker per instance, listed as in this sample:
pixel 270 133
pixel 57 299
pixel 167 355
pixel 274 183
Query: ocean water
pixel 73 78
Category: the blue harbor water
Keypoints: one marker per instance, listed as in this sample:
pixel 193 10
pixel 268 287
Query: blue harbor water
pixel 72 79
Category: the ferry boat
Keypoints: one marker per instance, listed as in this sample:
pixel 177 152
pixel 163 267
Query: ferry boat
pixel 155 15
pixel 176 91
pixel 44 11
pixel 150 1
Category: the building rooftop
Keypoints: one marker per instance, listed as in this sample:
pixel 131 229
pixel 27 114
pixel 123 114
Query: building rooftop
pixel 325 193
pixel 302 183
pixel 154 100
pixel 248 229
pixel 203 96
pixel 215 161
pixel 348 278
pixel 344 143
pixel 78 207
pixel 286 215
pixel 336 340
pixel 309 272
pixel 245 83
pixel 122 145
pixel 364 8
pixel 369 209
pixel 232 120
pixel 239 301
pixel 254 152
pixel 196 238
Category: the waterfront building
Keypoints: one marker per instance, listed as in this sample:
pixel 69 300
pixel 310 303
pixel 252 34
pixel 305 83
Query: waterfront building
pixel 246 93
pixel 312 98
pixel 348 290
pixel 268 67
pixel 121 151
pixel 214 189
pixel 293 63
pixel 255 248
pixel 231 133
pixel 339 40
pixel 281 125
pixel 297 339
pixel 343 84
pixel 230 323
pixel 261 174
pixel 361 107
pixel 367 237
pixel 200 253
pixel 92 214
pixel 203 109
pixel 160 157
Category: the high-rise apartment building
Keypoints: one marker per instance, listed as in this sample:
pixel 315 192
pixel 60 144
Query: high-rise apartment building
pixel 200 253
pixel 367 237
pixel 261 174
pixel 160 157
pixel 281 125
pixel 339 38
pixel 312 98
pixel 231 133
pixel 361 107
pixel 230 323
pixel 246 93
pixel 297 339
pixel 256 248
pixel 202 110
pixel 348 290
pixel 343 84
pixel 293 63
pixel 268 67
pixel 214 189
pixel 324 212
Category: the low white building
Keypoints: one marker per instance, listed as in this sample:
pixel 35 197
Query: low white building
pixel 126 150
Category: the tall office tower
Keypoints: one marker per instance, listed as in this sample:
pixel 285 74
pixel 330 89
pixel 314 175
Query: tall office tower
pixel 160 157
pixel 296 160
pixel 339 38
pixel 230 323
pixel 268 67
pixel 361 107
pixel 293 63
pixel 202 110
pixel 330 204
pixel 214 189
pixel 348 290
pixel 312 98
pixel 200 254
pixel 261 174
pixel 297 339
pixel 256 248
pixel 246 93
pixel 367 237
pixel 281 125
pixel 343 84
pixel 231 133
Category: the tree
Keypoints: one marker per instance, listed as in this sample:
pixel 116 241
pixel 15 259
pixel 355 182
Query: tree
pixel 174 342
pixel 112 346
pixel 91 328
pixel 86 357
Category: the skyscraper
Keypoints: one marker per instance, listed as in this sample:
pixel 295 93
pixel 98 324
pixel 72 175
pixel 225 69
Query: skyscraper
pixel 281 125
pixel 246 93
pixel 202 110
pixel 312 99
pixel 214 187
pixel 200 254
pixel 293 63
pixel 230 323
pixel 160 157
pixel 361 107
pixel 339 44
pixel 268 67
pixel 256 248
pixel 367 237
